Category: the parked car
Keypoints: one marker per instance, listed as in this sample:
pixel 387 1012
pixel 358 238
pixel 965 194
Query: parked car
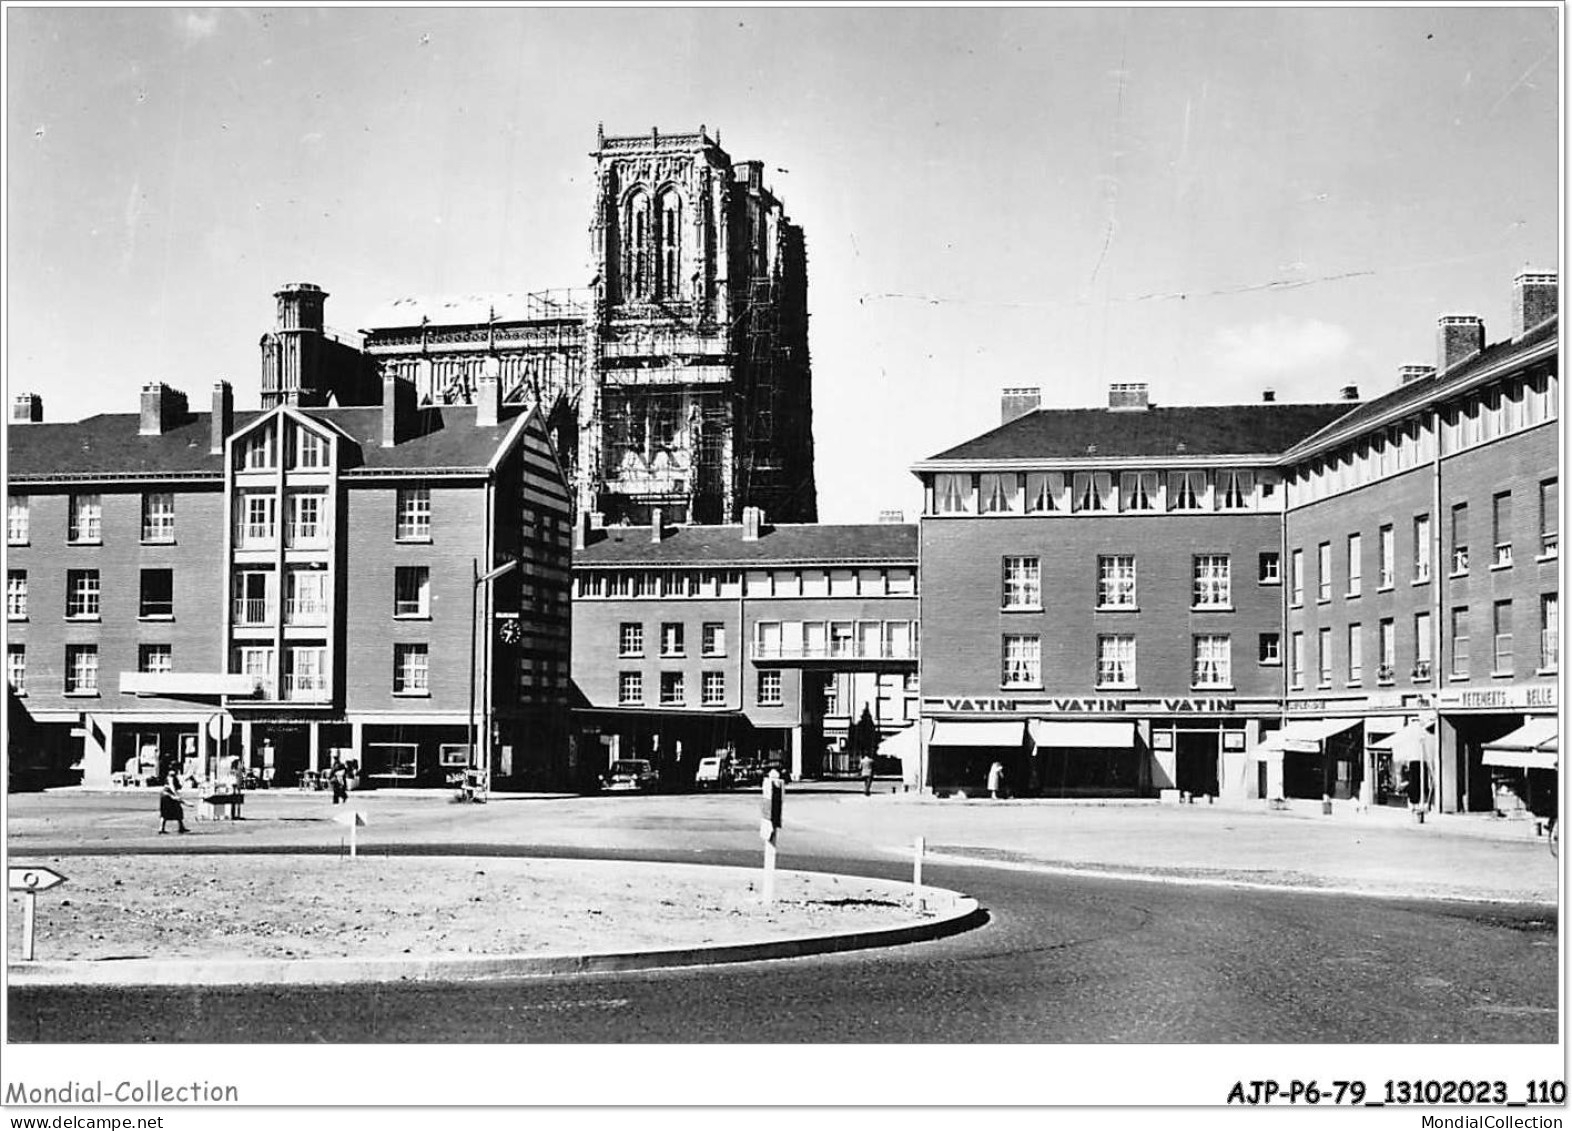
pixel 713 773
pixel 630 774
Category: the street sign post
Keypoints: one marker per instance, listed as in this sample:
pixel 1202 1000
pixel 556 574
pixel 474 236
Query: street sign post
pixel 30 881
pixel 354 819
pixel 769 825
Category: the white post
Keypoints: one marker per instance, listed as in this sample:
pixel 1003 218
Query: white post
pixel 30 898
pixel 769 869
pixel 352 830
pixel 917 895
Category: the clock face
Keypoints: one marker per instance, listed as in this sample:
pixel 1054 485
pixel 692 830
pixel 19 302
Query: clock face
pixel 509 631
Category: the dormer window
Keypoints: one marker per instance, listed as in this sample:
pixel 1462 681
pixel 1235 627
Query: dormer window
pixel 256 450
pixel 311 450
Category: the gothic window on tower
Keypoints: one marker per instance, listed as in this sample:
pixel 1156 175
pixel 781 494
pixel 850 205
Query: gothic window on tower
pixel 638 268
pixel 670 212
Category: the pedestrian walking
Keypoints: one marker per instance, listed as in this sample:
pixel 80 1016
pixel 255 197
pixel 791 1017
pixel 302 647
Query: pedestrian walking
pixel 170 807
pixel 338 780
pixel 996 780
pixel 867 775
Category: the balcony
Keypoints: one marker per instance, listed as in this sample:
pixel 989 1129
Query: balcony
pixel 254 536
pixel 834 653
pixel 251 610
pixel 307 688
pixel 305 610
pixel 305 536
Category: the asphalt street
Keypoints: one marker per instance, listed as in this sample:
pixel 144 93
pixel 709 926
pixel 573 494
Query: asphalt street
pixel 1062 959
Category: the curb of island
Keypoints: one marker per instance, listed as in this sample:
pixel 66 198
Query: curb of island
pixel 963 914
pixel 1186 878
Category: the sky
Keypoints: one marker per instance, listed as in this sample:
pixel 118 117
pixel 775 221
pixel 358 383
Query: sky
pixel 1210 200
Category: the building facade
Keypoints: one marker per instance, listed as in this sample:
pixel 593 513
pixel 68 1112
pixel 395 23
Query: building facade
pixel 796 644
pixel 1423 534
pixel 1102 597
pixel 289 586
pixel 678 379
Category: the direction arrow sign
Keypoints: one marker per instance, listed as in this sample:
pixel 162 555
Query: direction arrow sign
pixel 351 817
pixel 32 879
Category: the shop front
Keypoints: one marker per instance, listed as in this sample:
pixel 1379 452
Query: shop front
pixel 1399 755
pixel 1499 750
pixel 1320 758
pixel 1098 746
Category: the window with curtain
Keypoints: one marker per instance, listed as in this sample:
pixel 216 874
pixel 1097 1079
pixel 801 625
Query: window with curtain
pixel 1212 667
pixel 1044 492
pixel 1022 662
pixel 1116 581
pixel 1022 583
pixel 1001 493
pixel 1116 661
pixel 1237 490
pixel 1186 490
pixel 1093 491
pixel 952 494
pixel 1213 585
pixel 1138 491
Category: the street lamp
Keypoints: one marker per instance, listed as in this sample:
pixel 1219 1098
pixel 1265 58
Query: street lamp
pixel 479 579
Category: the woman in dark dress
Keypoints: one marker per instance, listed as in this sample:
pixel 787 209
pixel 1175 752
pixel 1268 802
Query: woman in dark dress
pixel 170 807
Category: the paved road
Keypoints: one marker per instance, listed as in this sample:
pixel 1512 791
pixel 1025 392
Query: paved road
pixel 1064 959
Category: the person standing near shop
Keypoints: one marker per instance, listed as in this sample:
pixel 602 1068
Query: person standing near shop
pixel 996 780
pixel 338 780
pixel 867 774
pixel 170 807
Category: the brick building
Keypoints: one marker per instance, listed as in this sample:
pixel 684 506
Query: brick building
pixel 774 641
pixel 679 378
pixel 1423 540
pixel 289 584
pixel 1102 596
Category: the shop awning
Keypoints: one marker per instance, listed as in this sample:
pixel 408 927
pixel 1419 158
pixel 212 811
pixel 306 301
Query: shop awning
pixel 902 743
pixel 1413 743
pixel 1074 735
pixel 1532 746
pixel 1002 734
pixel 1304 736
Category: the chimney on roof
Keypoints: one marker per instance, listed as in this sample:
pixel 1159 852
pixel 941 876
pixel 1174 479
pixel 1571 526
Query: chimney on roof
pixel 891 518
pixel 1268 396
pixel 488 393
pixel 1349 392
pixel 752 523
pixel 27 408
pixel 162 408
pixel 1408 374
pixel 223 416
pixel 1015 403
pixel 1130 395
pixel 1533 300
pixel 657 523
pixel 1458 338
pixel 398 406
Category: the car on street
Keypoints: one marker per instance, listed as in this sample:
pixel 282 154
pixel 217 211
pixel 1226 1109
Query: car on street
pixel 713 773
pixel 633 774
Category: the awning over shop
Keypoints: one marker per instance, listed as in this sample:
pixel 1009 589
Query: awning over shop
pixel 1073 735
pixel 996 733
pixel 1532 746
pixel 900 744
pixel 1413 743
pixel 1303 736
